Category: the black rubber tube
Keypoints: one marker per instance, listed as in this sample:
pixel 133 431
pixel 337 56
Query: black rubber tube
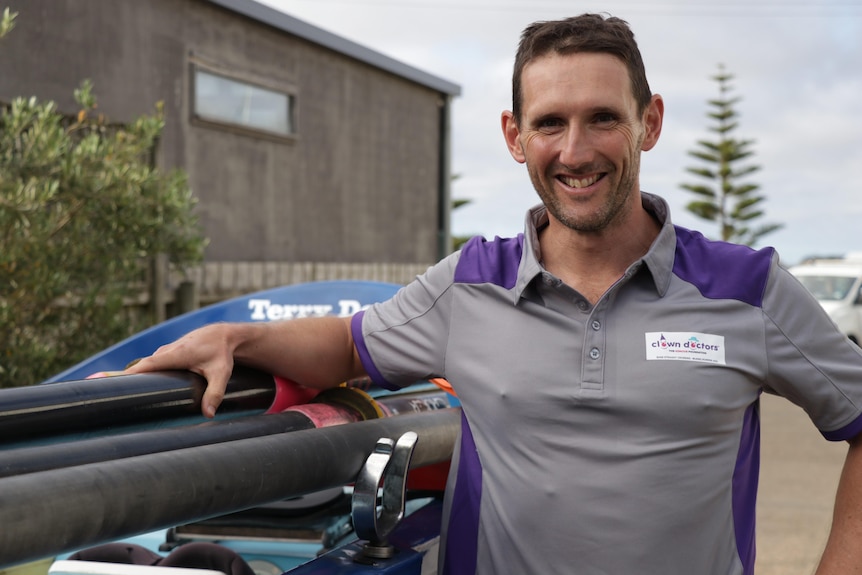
pixel 55 455
pixel 51 512
pixel 85 405
pixel 30 459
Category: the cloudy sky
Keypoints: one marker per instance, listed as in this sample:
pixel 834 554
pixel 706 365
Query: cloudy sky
pixel 797 66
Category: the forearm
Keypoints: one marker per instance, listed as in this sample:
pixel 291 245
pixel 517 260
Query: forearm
pixel 315 352
pixel 843 553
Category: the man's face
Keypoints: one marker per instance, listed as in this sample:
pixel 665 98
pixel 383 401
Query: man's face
pixel 581 136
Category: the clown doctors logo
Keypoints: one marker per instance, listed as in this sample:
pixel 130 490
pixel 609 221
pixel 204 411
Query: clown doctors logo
pixel 685 346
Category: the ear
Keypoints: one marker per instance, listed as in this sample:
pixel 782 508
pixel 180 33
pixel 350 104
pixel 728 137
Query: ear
pixel 513 136
pixel 653 117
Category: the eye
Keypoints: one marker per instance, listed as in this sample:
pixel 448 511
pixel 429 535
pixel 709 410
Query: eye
pixel 548 124
pixel 605 118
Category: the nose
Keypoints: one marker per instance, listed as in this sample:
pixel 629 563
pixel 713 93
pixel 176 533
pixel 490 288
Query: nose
pixel 575 148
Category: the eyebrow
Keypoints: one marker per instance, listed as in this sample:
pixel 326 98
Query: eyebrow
pixel 594 111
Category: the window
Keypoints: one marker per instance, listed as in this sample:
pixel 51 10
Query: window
pixel 229 101
pixel 826 287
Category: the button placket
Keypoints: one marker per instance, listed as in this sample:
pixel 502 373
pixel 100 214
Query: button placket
pixel 594 346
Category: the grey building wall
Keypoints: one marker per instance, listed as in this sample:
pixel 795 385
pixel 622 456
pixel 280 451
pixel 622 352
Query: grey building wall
pixel 363 180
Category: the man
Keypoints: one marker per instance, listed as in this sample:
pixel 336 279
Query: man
pixel 609 364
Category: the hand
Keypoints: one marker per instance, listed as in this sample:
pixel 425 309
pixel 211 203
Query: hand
pixel 207 351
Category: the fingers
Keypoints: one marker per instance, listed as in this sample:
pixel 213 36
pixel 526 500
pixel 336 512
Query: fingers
pixel 199 352
pixel 164 358
pixel 141 365
pixel 212 398
pixel 217 372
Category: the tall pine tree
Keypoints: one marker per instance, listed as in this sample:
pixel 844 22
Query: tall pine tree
pixel 724 196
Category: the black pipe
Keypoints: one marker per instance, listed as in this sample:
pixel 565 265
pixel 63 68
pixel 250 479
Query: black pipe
pixel 51 512
pixel 67 454
pixel 83 405
pixel 56 455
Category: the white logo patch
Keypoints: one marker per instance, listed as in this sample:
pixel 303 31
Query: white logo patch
pixel 685 346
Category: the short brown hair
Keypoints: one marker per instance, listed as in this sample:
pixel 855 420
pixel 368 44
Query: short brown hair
pixel 585 33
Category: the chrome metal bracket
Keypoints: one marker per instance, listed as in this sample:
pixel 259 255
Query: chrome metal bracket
pixel 388 463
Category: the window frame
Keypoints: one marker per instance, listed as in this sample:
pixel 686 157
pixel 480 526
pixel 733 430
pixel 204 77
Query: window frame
pixel 226 124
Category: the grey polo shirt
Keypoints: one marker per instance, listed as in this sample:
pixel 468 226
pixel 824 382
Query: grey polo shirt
pixel 615 438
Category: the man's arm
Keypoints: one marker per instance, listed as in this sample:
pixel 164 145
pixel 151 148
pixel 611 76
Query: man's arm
pixel 315 352
pixel 843 554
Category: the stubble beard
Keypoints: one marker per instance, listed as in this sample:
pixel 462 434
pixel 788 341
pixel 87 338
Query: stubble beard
pixel 573 217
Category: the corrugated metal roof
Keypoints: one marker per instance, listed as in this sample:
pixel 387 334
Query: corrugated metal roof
pixel 296 27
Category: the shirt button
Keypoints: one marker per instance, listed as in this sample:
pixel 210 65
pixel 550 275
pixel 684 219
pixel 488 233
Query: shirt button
pixel 597 325
pixel 582 305
pixel 595 353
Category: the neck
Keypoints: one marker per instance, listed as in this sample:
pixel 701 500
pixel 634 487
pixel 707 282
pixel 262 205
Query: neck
pixel 591 262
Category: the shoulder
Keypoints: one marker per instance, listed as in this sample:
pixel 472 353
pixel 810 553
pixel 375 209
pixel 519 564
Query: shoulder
pixel 722 270
pixel 496 261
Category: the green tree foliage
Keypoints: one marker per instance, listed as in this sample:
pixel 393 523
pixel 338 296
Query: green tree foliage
pixel 7 21
pixel 81 212
pixel 725 197
pixel 459 241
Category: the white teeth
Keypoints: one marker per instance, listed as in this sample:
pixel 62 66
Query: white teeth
pixel 576 183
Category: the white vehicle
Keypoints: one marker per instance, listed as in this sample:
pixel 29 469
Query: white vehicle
pixel 837 285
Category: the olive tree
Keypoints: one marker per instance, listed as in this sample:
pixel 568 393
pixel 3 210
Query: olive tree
pixel 82 211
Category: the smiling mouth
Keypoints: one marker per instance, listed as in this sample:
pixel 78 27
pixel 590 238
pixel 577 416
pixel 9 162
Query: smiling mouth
pixel 579 183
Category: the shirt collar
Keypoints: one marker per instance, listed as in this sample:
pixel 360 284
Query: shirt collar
pixel 658 259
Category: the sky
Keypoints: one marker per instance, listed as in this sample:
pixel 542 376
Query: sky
pixel 797 67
